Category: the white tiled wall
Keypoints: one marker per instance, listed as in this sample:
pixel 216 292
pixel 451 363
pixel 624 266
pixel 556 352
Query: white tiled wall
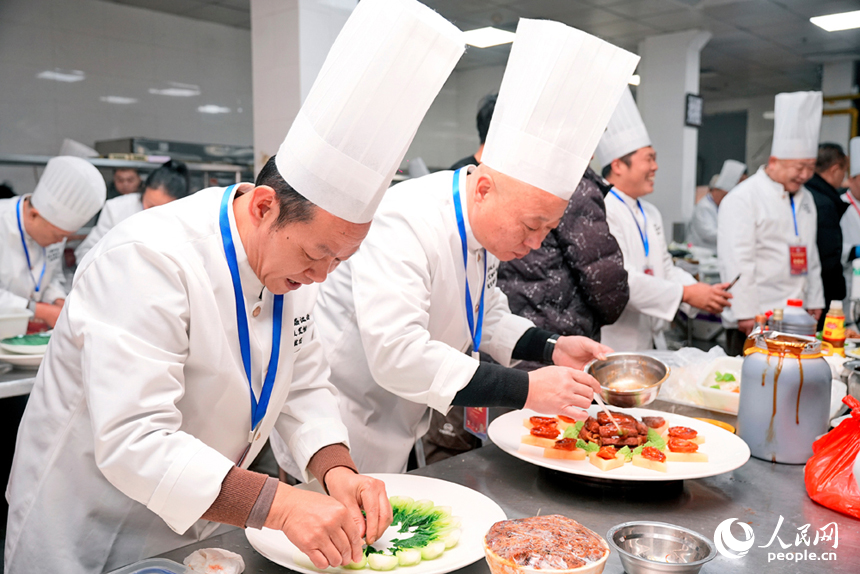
pixel 125 52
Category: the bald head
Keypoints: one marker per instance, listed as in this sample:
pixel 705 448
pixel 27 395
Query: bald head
pixel 509 217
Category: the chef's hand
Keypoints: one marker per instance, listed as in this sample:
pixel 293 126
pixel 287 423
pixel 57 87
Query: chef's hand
pixel 745 326
pixel 577 351
pixel 710 298
pixel 317 524
pixel 561 391
pixel 48 313
pixel 358 492
pixel 816 313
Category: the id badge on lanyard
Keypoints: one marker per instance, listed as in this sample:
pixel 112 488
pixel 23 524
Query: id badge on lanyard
pixel 475 419
pixel 797 256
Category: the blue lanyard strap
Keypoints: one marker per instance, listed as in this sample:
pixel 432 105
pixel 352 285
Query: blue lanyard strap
pixel 793 214
pixel 474 331
pixel 37 284
pixel 642 234
pixel 258 409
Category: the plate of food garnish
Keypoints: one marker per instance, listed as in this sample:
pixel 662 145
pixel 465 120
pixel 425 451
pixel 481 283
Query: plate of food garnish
pixel 438 527
pixel 634 444
pixel 35 344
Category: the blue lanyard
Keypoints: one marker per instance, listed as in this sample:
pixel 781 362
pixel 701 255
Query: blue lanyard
pixel 793 214
pixel 642 234
pixel 474 331
pixel 258 409
pixel 37 284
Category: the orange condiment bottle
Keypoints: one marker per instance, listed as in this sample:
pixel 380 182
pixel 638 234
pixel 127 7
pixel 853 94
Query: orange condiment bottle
pixel 834 328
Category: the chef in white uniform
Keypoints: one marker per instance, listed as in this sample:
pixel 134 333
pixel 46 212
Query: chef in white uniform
pixel 141 424
pixel 768 224
pixel 167 183
pixel 850 222
pixel 703 226
pixel 657 287
pixel 34 229
pixel 404 319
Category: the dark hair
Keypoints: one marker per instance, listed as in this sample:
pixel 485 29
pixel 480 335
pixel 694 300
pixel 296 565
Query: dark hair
pixel 828 154
pixel 172 177
pixel 625 159
pixel 485 115
pixel 293 207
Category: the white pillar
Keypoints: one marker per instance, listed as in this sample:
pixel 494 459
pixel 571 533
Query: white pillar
pixel 289 43
pixel 837 80
pixel 669 70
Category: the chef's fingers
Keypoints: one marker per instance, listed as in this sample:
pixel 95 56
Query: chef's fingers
pixel 574 413
pixel 377 511
pixel 585 380
pixel 318 558
pixel 344 546
pixel 333 556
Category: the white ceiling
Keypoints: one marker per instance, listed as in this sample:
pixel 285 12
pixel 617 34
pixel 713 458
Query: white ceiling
pixel 759 47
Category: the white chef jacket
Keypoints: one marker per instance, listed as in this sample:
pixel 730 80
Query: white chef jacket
pixel 703 226
pixel 756 228
pixel 394 325
pixel 141 405
pixel 850 225
pixel 17 283
pixel 114 211
pixel 654 299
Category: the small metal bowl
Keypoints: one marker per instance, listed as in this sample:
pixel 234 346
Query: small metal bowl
pixel 622 370
pixel 660 548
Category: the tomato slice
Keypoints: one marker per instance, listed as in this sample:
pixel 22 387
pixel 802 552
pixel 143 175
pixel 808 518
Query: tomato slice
pixel 682 432
pixel 565 444
pixel 568 420
pixel 652 453
pixel 682 445
pixel 607 452
pixel 543 421
pixel 544 432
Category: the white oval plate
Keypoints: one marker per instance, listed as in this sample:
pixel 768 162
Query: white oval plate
pixel 477 511
pixel 23 361
pixel 725 450
pixel 24 349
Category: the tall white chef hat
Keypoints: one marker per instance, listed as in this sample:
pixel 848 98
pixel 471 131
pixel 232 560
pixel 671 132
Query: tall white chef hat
pixel 559 89
pixel 70 192
pixel 730 175
pixel 625 133
pixel 854 156
pixel 380 77
pixel 796 123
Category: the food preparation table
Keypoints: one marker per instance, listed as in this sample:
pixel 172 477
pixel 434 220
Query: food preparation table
pixel 758 493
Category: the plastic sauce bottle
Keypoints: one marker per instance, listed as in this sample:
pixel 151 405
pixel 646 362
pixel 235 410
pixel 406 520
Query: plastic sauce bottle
pixel 834 327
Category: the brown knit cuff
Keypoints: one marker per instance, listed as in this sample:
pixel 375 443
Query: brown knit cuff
pixel 239 492
pixel 330 457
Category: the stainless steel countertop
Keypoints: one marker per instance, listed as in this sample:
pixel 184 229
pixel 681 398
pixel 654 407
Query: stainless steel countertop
pixel 757 493
pixel 17 382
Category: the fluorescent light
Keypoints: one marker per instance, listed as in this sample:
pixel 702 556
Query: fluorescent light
pixel 177 90
pixel 489 36
pixel 836 22
pixel 62 75
pixel 213 109
pixel 118 100
pixel 634 80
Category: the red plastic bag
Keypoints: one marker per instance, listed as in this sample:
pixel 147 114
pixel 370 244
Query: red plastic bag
pixel 829 473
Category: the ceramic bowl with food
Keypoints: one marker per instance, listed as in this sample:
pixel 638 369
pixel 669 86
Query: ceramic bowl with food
pixel 551 544
pixel 660 548
pixel 628 379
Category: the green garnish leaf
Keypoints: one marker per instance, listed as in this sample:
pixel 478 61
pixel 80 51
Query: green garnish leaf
pixel 628 454
pixel 655 440
pixel 592 447
pixel 572 431
pixel 724 377
pixel 581 444
pixel 715 387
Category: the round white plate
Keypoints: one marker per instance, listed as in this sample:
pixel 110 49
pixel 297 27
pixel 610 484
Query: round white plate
pixel 23 361
pixel 24 349
pixel 477 511
pixel 725 451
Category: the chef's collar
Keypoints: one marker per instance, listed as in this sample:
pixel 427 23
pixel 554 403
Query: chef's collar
pixel 472 243
pixel 777 187
pixel 251 284
pixel 627 199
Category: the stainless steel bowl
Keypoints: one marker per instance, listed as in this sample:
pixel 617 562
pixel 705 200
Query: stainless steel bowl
pixel 623 370
pixel 660 548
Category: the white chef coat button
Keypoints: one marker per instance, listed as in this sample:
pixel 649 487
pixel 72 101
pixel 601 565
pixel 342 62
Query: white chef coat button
pixel 256 311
